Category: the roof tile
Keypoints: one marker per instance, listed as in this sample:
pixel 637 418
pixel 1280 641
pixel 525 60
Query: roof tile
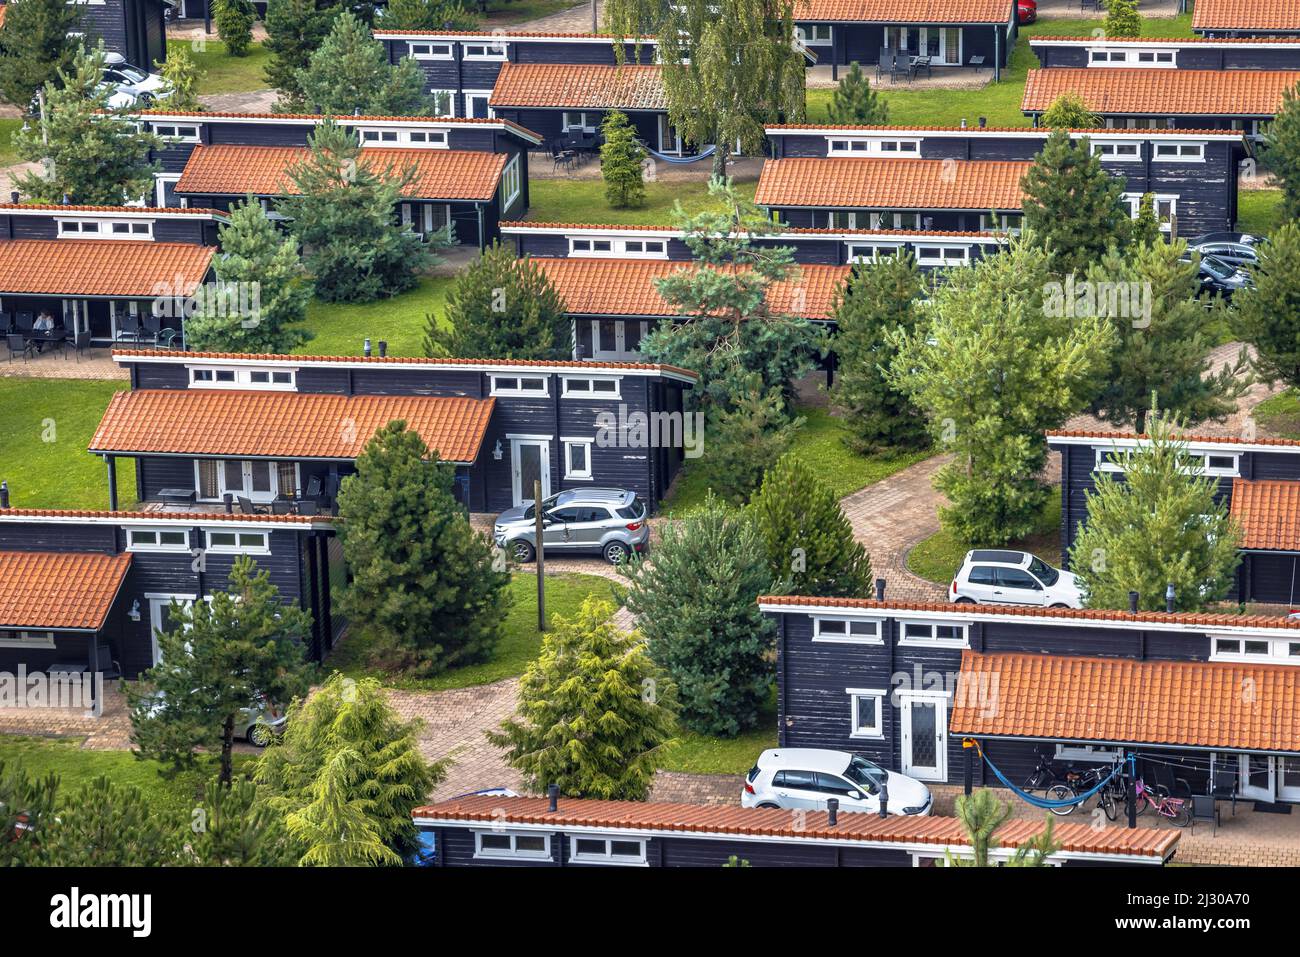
pixel 1161 92
pixel 1269 514
pixel 904 11
pixel 284 424
pixel 592 86
pixel 1246 15
pixel 102 267
pixel 853 182
pixel 59 589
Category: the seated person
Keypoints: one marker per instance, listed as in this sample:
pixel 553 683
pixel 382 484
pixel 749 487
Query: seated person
pixel 44 325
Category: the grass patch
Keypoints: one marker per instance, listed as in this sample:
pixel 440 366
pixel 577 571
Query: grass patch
pixel 1259 211
pixel 1279 415
pixel 700 754
pixel 8 127
pixel 223 73
pixel 340 327
pixel 168 793
pixel 819 443
pixel 518 11
pixel 936 558
pixel 44 433
pixel 583 201
pixel 1000 102
pixel 520 642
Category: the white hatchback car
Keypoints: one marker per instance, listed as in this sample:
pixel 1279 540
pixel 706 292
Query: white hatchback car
pixel 806 778
pixel 1002 577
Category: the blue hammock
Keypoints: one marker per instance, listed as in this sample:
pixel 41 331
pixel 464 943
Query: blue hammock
pixel 1044 802
pixel 681 160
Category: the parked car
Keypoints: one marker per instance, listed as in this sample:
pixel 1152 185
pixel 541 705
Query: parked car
pixel 1219 278
pixel 1247 239
pixel 1235 254
pixel 139 82
pixel 1005 577
pixel 610 521
pixel 258 724
pixel 1027 11
pixel 806 778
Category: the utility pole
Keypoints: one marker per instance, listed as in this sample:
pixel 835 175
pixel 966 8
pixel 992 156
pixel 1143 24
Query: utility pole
pixel 595 21
pixel 541 555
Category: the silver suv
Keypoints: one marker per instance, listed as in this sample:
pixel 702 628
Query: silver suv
pixel 606 520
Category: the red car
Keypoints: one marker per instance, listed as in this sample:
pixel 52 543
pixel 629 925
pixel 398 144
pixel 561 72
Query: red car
pixel 1027 10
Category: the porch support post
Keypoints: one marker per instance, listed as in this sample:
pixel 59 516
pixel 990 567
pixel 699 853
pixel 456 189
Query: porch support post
pixel 93 662
pixel 111 463
pixel 1130 801
pixel 313 589
pixel 327 618
pixel 968 774
pixel 997 52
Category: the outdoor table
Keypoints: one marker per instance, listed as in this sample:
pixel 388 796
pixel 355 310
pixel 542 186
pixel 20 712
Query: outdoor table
pixel 176 496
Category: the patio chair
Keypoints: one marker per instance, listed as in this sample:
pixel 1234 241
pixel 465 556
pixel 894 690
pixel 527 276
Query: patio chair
pixel 166 338
pixel 884 63
pixel 978 63
pixel 307 507
pixel 922 63
pixel 151 329
pixel 903 65
pixel 18 345
pixel 245 505
pixel 6 321
pixel 1223 787
pixel 25 321
pixel 313 489
pixel 1205 808
pixel 128 327
pixel 282 506
pixel 561 157
pixel 80 343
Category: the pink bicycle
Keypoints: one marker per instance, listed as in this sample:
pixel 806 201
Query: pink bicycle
pixel 1177 810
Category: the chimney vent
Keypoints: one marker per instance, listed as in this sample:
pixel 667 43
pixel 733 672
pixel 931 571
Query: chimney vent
pixel 880 589
pixel 4 494
pixel 383 348
pixel 984 121
pixel 884 800
pixel 14 197
pixel 228 499
pixel 832 812
pixel 1169 598
pixel 1132 603
pixel 552 797
pixel 365 348
pixel 963 122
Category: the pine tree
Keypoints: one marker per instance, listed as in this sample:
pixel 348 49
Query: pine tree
pixel 993 369
pixel 745 439
pixel 809 541
pixel 697 606
pixel 1069 112
pixel 342 214
pixel 242 646
pixel 27 806
pixel 254 252
pixel 234 21
pixel 880 297
pixel 36 46
pixel 182 76
pixel 89 153
pixel 294 30
pixel 107 824
pixel 350 73
pixel 981 814
pixel 346 776
pixel 500 307
pixel 1282 151
pixel 620 162
pixel 594 713
pixel 425 594
pixel 230 827
pixel 1145 228
pixel 855 103
pixel 1148 296
pixel 1268 312
pixel 1160 523
pixel 1123 19
pixel 429 15
pixel 1073 207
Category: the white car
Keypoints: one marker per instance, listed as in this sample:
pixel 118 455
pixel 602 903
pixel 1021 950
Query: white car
pixel 137 81
pixel 1003 577
pixel 807 778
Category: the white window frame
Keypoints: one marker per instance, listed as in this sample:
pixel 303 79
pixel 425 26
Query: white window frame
pixel 854 252
pixel 847 638
pixel 922 259
pixel 876 733
pixel 511 182
pixel 609 857
pixel 402 139
pixel 140 230
pixel 132 545
pixel 239 548
pixel 1134 201
pixel 429 50
pixel 518 389
pixel 1103 462
pixel 1006 223
pixel 872 146
pixel 160 188
pixel 584 247
pixel 491 51
pixel 513 853
pixel 26 638
pixel 469 95
pixel 180 132
pixel 1279 649
pixel 815 34
pixel 567 443
pixel 568 392
pixel 1196 156
pixel 582 125
pixel 436 97
pixel 1113 156
pixel 904 640
pixel 1086 752
pixel 243 378
pixel 1146 58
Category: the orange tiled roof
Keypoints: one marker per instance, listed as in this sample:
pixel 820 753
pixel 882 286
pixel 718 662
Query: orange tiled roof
pixel 904 11
pixel 1161 92
pixel 1189 703
pixel 1269 514
pixel 625 287
pixel 131 210
pixel 40 590
pixel 891 183
pixel 1170 41
pixel 591 86
pixel 1246 15
pixel 1082 615
pixel 101 267
pixel 783 231
pixel 776 823
pixel 264 171
pixel 192 517
pixel 1192 437
pixel 283 424
pixel 343 119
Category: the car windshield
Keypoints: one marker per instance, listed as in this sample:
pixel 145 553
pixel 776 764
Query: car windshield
pixel 132 73
pixel 633 509
pixel 865 774
pixel 1217 267
pixel 1044 572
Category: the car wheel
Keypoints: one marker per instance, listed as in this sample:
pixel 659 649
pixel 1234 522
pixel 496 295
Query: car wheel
pixel 768 805
pixel 963 600
pixel 260 735
pixel 522 551
pixel 616 553
pixel 1059 604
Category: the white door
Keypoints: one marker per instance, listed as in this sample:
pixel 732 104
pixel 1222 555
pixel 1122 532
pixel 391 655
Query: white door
pixel 160 618
pixel 254 480
pixel 530 460
pixel 925 736
pixel 1288 779
pixel 669 141
pixel 1257 777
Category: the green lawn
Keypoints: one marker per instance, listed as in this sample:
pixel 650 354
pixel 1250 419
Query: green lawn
pixel 939 556
pixel 1279 415
pixel 583 201
pixel 699 754
pixel 223 73
pixel 502 12
pixel 8 156
pixel 168 793
pixel 1259 210
pixel 820 443
pixel 340 328
pixel 999 102
pixel 46 427
pixel 519 646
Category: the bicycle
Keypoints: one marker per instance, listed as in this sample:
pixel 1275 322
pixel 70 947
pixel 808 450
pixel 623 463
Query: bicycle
pixel 1069 784
pixel 1177 810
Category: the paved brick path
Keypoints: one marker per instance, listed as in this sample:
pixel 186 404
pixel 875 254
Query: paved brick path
pixel 111 731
